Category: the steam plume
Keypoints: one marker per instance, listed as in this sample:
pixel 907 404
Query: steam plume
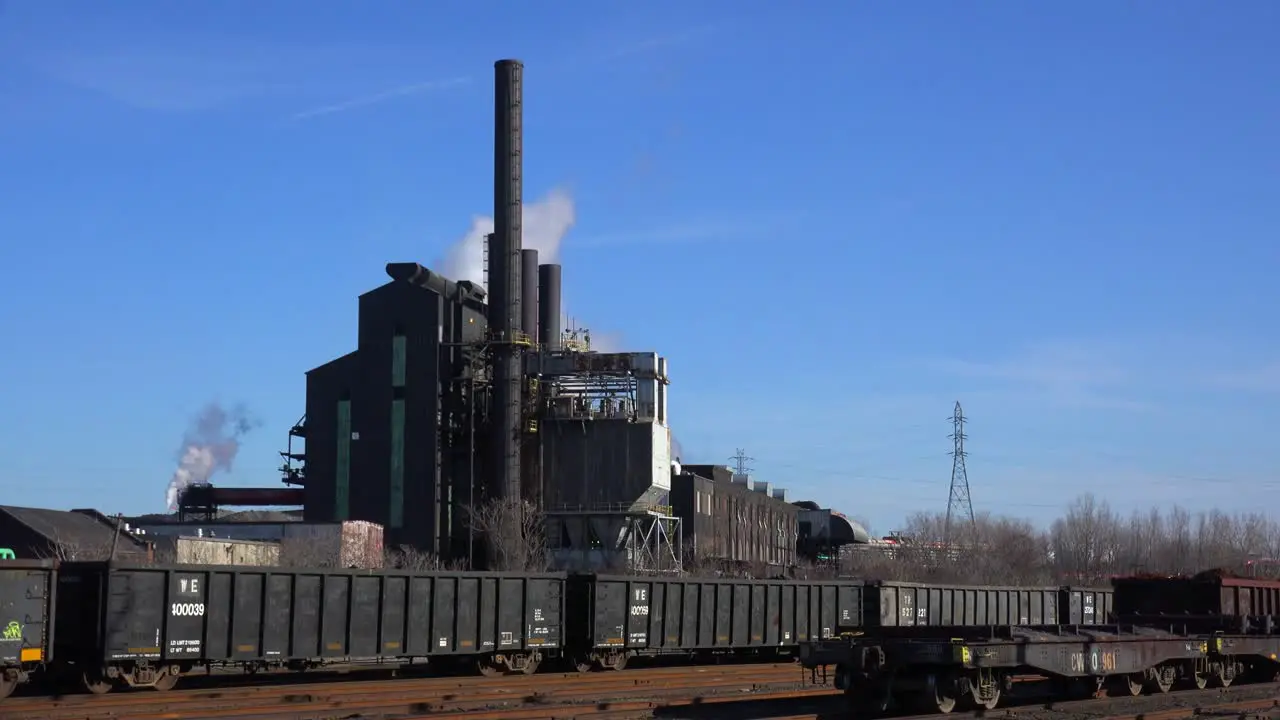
pixel 546 222
pixel 209 446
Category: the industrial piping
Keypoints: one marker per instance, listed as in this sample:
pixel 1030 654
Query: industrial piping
pixel 504 278
pixel 529 293
pixel 549 306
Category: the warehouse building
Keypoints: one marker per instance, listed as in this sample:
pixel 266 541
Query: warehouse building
pixel 733 518
pixel 34 533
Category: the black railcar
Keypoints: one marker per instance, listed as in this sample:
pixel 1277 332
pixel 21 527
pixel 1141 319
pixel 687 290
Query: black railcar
pixel 147 625
pixel 27 594
pixel 613 617
pixel 907 608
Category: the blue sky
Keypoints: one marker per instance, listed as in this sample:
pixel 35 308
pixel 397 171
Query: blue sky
pixel 835 219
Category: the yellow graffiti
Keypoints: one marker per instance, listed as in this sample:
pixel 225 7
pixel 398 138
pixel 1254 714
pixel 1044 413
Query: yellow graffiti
pixel 13 631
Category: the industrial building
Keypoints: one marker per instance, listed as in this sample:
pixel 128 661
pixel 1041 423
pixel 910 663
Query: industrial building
pixel 33 533
pixel 733 518
pixel 458 394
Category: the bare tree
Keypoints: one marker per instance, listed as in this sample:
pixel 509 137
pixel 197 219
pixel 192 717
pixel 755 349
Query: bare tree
pixel 60 547
pixel 407 557
pixel 514 533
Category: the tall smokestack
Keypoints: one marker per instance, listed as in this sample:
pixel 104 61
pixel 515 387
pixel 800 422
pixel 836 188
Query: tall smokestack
pixel 504 276
pixel 549 305
pixel 529 293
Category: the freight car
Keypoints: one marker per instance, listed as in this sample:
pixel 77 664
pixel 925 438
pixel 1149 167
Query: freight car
pixel 982 637
pixel 611 618
pixel 1242 616
pixel 27 592
pixel 907 606
pixel 931 648
pixel 148 625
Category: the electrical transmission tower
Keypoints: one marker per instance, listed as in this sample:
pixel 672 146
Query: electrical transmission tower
pixel 959 505
pixel 740 461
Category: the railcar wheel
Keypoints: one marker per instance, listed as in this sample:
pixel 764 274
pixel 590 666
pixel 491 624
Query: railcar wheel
pixel 618 662
pixel 939 694
pixel 584 664
pixel 530 666
pixel 488 668
pixel 1162 678
pixel 8 683
pixel 167 681
pixel 1128 684
pixel 992 700
pixel 1199 680
pixel 95 682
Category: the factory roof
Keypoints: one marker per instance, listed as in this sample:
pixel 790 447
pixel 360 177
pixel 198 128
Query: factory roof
pixel 75 534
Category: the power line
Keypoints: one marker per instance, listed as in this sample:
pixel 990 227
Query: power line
pixel 959 504
pixel 740 461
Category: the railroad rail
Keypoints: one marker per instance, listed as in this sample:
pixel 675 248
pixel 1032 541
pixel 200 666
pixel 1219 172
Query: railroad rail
pixel 559 695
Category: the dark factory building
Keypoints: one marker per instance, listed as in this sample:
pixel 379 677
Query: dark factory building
pixel 385 441
pixel 732 518
pixel 432 413
pixel 455 396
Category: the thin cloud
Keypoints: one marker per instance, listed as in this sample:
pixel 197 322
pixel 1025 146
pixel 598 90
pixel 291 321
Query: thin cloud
pixel 1265 379
pixel 659 41
pixel 367 100
pixel 1068 374
pixel 677 234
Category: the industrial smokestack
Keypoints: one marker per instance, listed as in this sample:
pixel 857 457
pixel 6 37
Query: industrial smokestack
pixel 529 293
pixel 504 277
pixel 549 305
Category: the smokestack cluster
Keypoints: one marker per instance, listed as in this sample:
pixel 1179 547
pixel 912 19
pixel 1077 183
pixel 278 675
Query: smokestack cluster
pixel 549 332
pixel 505 316
pixel 529 293
pixel 209 446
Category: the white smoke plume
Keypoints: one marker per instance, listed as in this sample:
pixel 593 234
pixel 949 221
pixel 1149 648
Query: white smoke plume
pixel 546 223
pixel 208 447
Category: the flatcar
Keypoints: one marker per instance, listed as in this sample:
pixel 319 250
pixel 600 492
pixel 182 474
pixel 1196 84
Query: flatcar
pixel 1139 636
pixel 27 593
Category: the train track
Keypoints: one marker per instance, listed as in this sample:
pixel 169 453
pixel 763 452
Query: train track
pixel 632 694
pixel 777 692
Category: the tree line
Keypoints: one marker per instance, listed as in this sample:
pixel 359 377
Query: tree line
pixel 1089 543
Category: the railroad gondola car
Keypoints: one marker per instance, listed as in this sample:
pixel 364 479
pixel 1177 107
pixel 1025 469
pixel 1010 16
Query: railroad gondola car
pixel 613 617
pixel 905 607
pixel 27 593
pixel 148 625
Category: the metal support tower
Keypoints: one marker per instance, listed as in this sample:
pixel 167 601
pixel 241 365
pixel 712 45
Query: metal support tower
pixel 740 460
pixel 959 505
